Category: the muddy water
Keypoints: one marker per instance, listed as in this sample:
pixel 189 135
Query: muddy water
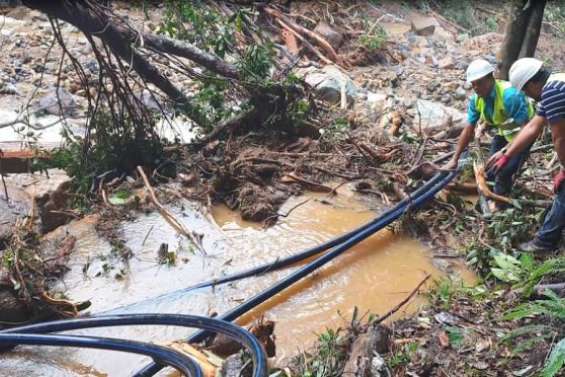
pixel 374 276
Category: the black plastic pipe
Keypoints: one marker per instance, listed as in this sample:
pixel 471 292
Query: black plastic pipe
pixel 437 183
pixel 292 259
pixel 229 329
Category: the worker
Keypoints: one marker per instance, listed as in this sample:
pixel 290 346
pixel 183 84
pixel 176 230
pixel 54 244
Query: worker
pixel 495 104
pixel 529 75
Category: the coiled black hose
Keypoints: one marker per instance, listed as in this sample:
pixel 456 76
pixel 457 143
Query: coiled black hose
pixel 34 334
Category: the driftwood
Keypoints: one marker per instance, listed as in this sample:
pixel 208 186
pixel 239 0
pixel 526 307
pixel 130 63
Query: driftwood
pixel 480 177
pixel 320 41
pixel 314 186
pixel 168 216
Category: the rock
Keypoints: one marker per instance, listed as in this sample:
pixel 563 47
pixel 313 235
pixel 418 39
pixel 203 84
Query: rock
pixel 148 100
pixel 51 206
pixel 331 35
pixel 8 88
pixel 460 93
pixel 422 25
pixel 364 358
pixel 12 309
pixel 328 83
pixel 467 85
pixel 49 103
pixel 446 63
pixel 446 99
pixel 435 116
pixel 376 101
pixel 395 29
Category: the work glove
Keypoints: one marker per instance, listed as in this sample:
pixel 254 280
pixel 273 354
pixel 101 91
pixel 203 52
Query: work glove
pixel 497 162
pixel 558 180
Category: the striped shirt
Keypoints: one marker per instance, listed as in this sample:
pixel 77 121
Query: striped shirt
pixel 552 104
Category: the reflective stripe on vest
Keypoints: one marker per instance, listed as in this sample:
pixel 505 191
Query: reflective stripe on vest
pixel 499 116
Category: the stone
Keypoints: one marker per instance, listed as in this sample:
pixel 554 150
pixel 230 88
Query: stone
pixel 460 94
pixel 446 63
pixel 8 88
pixel 467 85
pixel 364 358
pixel 330 34
pixel 446 99
pixel 422 25
pixel 436 116
pixel 51 207
pixel 328 83
pixel 50 102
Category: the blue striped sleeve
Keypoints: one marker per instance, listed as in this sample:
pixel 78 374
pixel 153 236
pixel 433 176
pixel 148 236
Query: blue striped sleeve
pixel 552 105
pixel 516 106
pixel 472 113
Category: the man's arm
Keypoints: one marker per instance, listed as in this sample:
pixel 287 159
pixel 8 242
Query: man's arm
pixel 465 138
pixel 467 134
pixel 558 136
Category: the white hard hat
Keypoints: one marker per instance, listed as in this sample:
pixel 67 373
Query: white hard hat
pixel 523 70
pixel 478 69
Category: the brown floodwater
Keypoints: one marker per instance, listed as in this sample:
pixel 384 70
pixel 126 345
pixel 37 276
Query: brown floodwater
pixel 373 276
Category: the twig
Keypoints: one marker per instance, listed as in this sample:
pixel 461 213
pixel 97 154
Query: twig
pixel 2 174
pixel 403 302
pixel 305 42
pixel 295 207
pixel 147 235
pixel 168 216
pixel 300 29
pixel 314 186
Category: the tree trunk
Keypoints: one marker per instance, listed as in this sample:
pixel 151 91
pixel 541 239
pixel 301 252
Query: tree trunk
pixel 514 35
pixel 532 33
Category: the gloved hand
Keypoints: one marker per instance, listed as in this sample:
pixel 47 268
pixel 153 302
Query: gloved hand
pixel 558 180
pixel 497 162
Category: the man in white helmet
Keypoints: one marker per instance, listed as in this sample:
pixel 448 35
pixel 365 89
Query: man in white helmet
pixel 498 105
pixel 548 89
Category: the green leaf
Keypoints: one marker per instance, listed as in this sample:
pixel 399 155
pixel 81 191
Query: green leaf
pixel 455 336
pixel 556 360
pixel 505 275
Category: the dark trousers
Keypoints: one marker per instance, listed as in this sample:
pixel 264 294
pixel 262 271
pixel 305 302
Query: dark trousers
pixel 505 177
pixel 550 232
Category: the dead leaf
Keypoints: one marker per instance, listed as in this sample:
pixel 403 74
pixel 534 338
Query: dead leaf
pixel 443 339
pixel 482 345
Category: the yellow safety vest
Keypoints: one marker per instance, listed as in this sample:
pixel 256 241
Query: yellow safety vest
pixel 499 116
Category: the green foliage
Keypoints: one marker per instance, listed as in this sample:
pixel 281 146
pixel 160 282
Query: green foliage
pixel 114 144
pixel 503 230
pixel 338 130
pixel 554 15
pixel 465 14
pixel 455 336
pixel 556 360
pixel 553 306
pixel 200 24
pixel 257 61
pixel 403 356
pixel 374 39
pixel 328 359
